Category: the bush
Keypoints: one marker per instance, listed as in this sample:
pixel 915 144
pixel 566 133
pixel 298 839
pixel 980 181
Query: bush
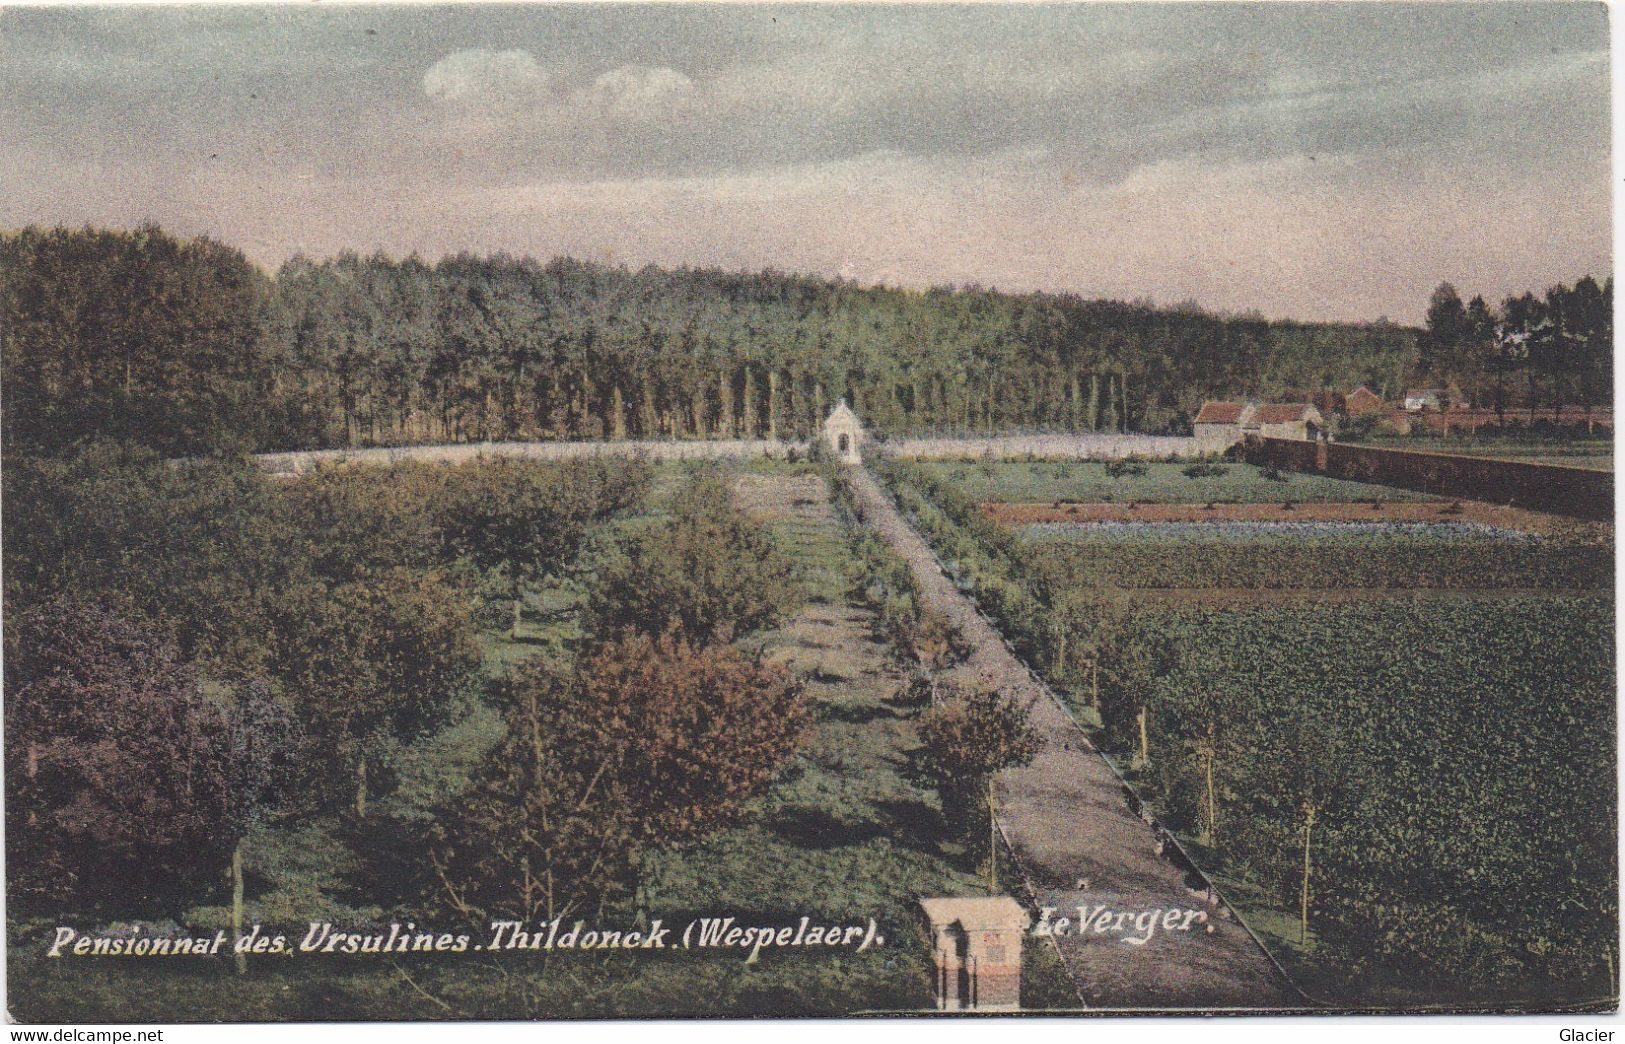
pixel 1122 468
pixel 1204 469
pixel 710 575
pixel 371 665
pixel 519 519
pixel 966 739
pixel 650 743
pixel 118 769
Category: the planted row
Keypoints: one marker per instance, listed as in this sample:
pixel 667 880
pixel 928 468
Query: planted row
pixel 1211 556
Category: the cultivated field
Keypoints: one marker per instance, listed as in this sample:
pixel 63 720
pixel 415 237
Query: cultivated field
pixel 1162 482
pixel 1359 723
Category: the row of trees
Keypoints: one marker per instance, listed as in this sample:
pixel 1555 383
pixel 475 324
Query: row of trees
pixel 967 735
pixel 187 347
pixel 1549 351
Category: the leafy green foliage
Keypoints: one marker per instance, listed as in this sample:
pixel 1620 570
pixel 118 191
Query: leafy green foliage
pixel 352 521
pixel 372 664
pixel 131 335
pixel 185 344
pixel 710 574
pixel 652 742
pixel 1361 555
pixel 518 519
pixel 1434 759
pixel 1122 468
pixel 201 550
pixel 965 739
pixel 119 772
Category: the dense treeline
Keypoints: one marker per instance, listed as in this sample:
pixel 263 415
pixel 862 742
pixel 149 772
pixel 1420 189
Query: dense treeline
pixel 1387 772
pixel 1550 351
pixel 187 347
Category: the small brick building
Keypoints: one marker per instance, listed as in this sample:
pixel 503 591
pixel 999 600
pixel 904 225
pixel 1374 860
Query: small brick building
pixel 976 946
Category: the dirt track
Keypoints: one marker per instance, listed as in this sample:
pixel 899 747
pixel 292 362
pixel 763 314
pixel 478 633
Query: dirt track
pixel 1068 820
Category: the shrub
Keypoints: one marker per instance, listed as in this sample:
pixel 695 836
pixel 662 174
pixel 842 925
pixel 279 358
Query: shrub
pixel 1122 468
pixel 650 743
pixel 373 664
pixel 520 519
pixel 966 738
pixel 118 769
pixel 712 574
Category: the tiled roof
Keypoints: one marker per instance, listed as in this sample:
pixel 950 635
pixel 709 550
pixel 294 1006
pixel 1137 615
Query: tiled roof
pixel 1281 412
pixel 1219 413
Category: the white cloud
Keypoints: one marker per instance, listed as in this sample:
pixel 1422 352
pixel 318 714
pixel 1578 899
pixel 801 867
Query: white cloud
pixel 482 74
pixel 637 92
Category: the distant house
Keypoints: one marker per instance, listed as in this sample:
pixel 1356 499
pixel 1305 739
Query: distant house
pixel 1219 422
pixel 1361 401
pixel 1418 399
pixel 1285 420
pixel 1231 421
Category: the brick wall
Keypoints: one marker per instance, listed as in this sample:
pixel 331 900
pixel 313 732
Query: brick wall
pixel 1577 492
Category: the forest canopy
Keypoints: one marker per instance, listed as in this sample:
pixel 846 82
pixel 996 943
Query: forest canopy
pixel 187 347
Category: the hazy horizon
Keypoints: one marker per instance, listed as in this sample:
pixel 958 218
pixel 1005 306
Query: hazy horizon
pixel 1326 162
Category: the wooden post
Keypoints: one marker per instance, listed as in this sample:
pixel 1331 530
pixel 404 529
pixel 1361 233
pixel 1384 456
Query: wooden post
pixel 1308 825
pixel 992 842
pixel 240 958
pixel 1212 799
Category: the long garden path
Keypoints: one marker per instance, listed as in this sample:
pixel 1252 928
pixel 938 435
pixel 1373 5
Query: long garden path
pixel 1067 819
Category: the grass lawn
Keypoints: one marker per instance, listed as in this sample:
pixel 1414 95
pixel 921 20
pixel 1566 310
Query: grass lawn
pixel 1087 481
pixel 843 836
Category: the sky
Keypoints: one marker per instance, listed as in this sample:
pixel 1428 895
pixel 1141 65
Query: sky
pixel 1321 161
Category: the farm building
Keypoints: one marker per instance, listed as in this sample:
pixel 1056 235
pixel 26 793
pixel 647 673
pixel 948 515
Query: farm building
pixel 1231 421
pixel 1418 399
pixel 1219 421
pixel 1295 420
pixel 1361 401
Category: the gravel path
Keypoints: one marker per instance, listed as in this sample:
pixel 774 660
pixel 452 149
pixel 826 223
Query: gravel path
pixel 1068 819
